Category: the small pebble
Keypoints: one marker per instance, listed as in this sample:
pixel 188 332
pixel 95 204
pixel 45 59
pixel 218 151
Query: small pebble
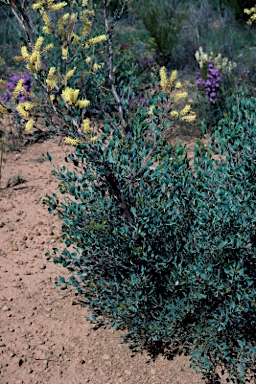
pixel 25 346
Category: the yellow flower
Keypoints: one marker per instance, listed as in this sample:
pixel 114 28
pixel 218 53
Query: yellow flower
pixel 45 18
pixel 87 27
pixel 185 110
pixel 47 30
pixel 52 97
pixel 82 103
pixel 180 96
pixel 31 68
pixel 163 78
pixel 96 67
pixel 84 3
pixel 24 53
pixel 19 88
pixel 48 47
pixel 61 22
pixel 178 85
pixel 189 118
pixel 88 60
pixel 75 38
pixel 86 124
pixel 29 125
pixel 174 114
pixel 51 72
pixel 69 74
pixel 38 44
pixel 64 51
pixel 71 141
pixel 22 111
pixel 70 95
pixel 1 82
pixel 34 57
pixel 95 40
pixel 39 4
pixel 93 139
pixel 151 110
pixel 3 110
pixel 173 77
pixel 58 7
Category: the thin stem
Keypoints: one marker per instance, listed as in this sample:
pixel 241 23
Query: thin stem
pixel 108 31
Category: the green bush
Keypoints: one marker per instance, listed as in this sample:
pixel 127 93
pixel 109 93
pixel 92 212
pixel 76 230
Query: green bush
pixel 168 251
pixel 163 20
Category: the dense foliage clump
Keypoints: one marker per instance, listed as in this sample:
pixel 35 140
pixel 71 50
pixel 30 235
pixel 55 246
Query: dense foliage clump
pixel 165 248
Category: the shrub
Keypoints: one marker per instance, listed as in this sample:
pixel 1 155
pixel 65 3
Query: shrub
pixel 168 251
pixel 163 20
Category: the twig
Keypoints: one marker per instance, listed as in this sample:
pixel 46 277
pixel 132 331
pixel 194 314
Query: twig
pixel 108 31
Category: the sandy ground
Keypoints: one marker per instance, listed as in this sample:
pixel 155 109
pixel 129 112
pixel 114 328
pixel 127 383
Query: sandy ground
pixel 44 335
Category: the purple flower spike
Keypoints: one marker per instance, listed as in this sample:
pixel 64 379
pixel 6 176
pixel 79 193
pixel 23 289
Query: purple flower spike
pixel 211 83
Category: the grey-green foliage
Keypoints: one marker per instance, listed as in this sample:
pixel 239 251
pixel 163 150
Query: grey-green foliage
pixel 168 251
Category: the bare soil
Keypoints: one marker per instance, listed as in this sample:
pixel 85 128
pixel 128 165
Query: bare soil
pixel 44 335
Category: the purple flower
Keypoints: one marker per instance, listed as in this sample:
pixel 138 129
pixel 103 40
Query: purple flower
pixel 211 83
pixel 12 84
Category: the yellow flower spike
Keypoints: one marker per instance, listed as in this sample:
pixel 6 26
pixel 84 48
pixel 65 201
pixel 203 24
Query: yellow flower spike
pixel 71 141
pixel 95 40
pixel 60 23
pixel 178 85
pixel 69 74
pixel 31 68
pixel 3 110
pixel 88 60
pixel 39 4
pixel 86 125
pixel 48 47
pixel 38 44
pixel 93 139
pixel 72 17
pixel 64 51
pixel 24 53
pixel 58 7
pixel 151 109
pixel 185 110
pixel 179 96
pixel 22 111
pixel 52 97
pixel 29 125
pixel 34 57
pixel 163 78
pixel 174 114
pixel 45 18
pixel 19 88
pixel 96 67
pixel 75 38
pixel 70 95
pixel 84 3
pixel 173 77
pixel 189 118
pixel 82 103
pixel 51 72
pixel 47 30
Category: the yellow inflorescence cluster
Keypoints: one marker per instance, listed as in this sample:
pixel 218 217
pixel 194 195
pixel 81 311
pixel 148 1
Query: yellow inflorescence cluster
pixel 252 13
pixel 168 85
